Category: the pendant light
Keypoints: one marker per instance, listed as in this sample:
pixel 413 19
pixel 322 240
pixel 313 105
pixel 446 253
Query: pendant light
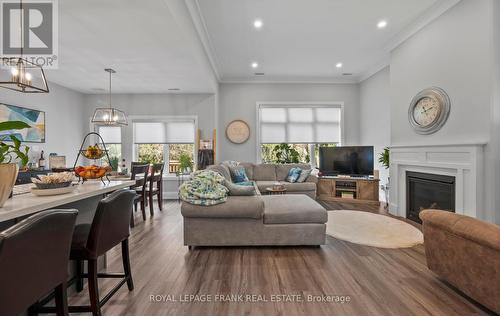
pixel 109 115
pixel 19 74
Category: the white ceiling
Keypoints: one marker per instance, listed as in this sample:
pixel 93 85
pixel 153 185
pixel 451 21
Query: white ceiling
pixel 155 45
pixel 146 42
pixel 302 40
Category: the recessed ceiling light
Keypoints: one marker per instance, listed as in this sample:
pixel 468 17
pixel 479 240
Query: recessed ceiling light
pixel 255 65
pixel 259 74
pixel 257 24
pixel 174 89
pixel 382 24
pixel 339 65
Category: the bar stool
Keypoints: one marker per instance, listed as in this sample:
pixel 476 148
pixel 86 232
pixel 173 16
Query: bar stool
pixel 109 228
pixel 156 178
pixel 34 261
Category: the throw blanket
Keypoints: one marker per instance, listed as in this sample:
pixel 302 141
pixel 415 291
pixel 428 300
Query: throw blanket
pixel 206 188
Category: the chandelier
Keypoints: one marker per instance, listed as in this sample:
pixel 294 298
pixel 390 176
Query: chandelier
pixel 109 115
pixel 19 74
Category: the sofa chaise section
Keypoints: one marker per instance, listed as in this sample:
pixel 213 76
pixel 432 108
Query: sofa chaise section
pixel 290 220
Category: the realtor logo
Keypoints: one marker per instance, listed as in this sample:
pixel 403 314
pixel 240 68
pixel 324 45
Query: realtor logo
pixel 31 27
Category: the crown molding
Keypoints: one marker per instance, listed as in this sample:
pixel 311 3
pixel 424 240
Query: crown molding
pixel 385 62
pixel 290 80
pixel 428 16
pixel 202 30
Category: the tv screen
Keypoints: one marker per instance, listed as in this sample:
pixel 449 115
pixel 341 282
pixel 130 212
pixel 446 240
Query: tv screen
pixel 349 161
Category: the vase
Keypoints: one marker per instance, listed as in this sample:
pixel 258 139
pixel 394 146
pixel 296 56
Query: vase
pixel 8 176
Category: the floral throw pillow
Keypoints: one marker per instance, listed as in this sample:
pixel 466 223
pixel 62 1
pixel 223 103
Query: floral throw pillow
pixel 293 175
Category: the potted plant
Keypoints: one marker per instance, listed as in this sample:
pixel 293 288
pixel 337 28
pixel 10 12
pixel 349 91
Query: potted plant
pixel 9 154
pixel 186 165
pixel 384 158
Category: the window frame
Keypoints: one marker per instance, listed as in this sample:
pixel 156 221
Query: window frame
pixel 166 149
pixel 295 104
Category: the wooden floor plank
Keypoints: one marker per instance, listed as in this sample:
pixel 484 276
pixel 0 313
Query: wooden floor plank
pixel 378 281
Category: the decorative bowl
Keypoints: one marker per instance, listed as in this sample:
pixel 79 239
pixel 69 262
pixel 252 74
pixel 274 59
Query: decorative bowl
pixel 45 186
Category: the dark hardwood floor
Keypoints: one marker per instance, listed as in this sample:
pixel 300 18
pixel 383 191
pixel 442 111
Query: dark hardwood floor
pixel 377 281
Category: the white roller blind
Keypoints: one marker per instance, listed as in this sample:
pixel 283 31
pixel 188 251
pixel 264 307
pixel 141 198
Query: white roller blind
pixel 171 132
pixel 180 132
pixel 313 124
pixel 149 133
pixel 111 134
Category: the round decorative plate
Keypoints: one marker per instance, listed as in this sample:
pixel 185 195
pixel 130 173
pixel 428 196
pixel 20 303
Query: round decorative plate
pixel 238 132
pixel 429 110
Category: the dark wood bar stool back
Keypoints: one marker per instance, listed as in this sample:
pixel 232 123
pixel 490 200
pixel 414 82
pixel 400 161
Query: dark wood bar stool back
pixel 34 261
pixel 140 188
pixel 109 228
pixel 156 186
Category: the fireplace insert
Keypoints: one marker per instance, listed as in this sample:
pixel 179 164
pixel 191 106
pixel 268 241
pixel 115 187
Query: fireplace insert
pixel 428 191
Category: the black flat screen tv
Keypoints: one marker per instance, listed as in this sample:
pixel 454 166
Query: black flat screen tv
pixel 354 161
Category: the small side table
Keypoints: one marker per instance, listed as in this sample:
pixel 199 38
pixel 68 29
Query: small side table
pixel 181 178
pixel 273 191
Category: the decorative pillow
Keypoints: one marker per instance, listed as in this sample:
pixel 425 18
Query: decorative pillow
pixel 238 174
pixel 293 174
pixel 304 174
pixel 240 190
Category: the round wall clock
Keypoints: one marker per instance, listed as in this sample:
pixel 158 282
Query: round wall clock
pixel 429 110
pixel 238 132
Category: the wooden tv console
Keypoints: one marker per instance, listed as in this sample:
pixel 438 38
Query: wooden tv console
pixel 346 189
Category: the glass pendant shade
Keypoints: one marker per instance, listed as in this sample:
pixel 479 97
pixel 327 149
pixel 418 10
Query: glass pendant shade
pixel 21 75
pixel 109 116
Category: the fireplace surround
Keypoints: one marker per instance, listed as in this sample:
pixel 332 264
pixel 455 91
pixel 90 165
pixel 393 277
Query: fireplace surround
pixel 463 162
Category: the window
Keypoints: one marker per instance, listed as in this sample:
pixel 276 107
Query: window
pixel 167 141
pixel 293 133
pixel 112 136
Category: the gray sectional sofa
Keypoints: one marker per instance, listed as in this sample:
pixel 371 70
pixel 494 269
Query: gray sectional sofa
pixel 265 175
pixel 291 219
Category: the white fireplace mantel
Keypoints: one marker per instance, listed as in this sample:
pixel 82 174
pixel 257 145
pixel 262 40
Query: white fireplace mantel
pixel 464 162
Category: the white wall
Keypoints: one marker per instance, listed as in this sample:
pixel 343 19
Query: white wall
pixel 64 122
pixel 375 119
pixel 495 113
pixel 238 101
pixel 455 53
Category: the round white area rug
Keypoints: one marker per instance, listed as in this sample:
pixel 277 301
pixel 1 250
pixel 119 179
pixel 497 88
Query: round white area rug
pixel 372 229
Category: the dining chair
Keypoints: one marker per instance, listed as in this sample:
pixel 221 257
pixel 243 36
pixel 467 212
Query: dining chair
pixel 140 188
pixel 155 187
pixel 34 256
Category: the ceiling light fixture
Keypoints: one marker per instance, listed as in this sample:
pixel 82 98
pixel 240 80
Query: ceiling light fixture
pixel 258 24
pixel 255 65
pixel 110 115
pixel 339 65
pixel 382 24
pixel 20 74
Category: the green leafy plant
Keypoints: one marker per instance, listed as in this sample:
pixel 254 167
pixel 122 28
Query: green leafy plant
pixel 185 162
pixel 10 152
pixel 284 153
pixel 113 162
pixel 384 158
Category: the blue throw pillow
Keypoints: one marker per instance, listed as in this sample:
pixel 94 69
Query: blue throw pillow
pixel 293 175
pixel 238 174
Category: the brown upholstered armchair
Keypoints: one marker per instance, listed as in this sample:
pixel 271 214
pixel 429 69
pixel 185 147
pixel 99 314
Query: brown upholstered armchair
pixel 465 252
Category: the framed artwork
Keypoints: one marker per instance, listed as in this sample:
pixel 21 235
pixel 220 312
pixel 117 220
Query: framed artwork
pixel 34 118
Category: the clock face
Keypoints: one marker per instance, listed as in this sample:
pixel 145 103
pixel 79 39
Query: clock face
pixel 426 111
